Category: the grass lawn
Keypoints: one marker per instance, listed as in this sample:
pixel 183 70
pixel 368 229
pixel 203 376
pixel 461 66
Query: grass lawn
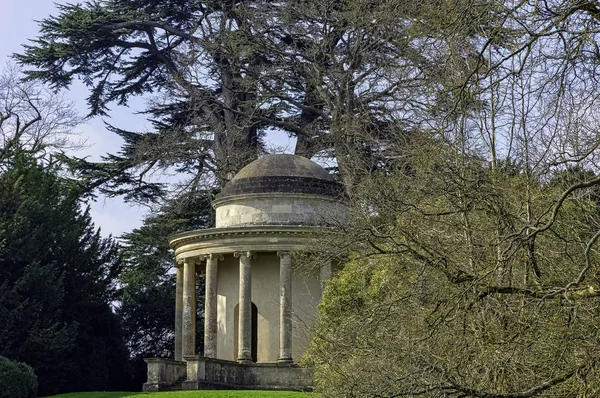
pixel 188 394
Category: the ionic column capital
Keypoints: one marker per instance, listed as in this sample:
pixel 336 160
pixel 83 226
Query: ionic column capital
pixel 189 260
pixel 248 254
pixel 216 256
pixel 212 256
pixel 284 253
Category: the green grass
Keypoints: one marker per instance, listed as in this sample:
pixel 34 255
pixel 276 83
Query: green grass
pixel 188 394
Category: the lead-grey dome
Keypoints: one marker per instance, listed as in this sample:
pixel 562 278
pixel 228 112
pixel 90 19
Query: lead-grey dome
pixel 282 174
pixel 284 165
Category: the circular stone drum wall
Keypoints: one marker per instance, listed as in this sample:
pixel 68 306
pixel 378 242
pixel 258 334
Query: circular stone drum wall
pixel 280 209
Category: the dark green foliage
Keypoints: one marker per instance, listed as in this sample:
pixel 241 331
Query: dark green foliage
pixel 56 283
pixel 115 175
pixel 17 380
pixel 146 252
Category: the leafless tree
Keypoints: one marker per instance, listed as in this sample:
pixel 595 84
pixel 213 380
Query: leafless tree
pixel 474 269
pixel 34 119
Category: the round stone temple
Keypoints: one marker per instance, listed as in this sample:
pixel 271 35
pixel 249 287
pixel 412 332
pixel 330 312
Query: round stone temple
pixel 259 299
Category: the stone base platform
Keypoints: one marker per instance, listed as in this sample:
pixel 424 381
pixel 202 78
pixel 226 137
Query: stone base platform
pixel 163 374
pixel 201 373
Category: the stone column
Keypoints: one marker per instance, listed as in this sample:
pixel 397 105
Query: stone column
pixel 210 306
pixel 178 311
pixel 245 309
pixel 285 307
pixel 188 321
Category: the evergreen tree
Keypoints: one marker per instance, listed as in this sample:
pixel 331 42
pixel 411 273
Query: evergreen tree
pixel 341 77
pixel 56 283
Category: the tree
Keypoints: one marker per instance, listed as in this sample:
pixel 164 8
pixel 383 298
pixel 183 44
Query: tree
pixel 340 77
pixel 447 295
pixel 174 48
pixel 455 127
pixel 33 118
pixel 57 274
pixel 474 272
pixel 57 283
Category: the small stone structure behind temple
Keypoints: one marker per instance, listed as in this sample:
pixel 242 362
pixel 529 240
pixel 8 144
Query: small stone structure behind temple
pixel 258 307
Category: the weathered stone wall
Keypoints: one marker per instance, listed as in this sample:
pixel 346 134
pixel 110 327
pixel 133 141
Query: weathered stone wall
pixel 204 373
pixel 280 209
pixel 306 293
pixel 227 298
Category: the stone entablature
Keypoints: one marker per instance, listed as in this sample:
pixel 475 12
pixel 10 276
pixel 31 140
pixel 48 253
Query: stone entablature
pixel 262 238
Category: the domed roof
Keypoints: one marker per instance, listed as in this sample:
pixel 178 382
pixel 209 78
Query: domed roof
pixel 282 174
pixel 284 165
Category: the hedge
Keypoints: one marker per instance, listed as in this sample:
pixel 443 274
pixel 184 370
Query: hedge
pixel 17 380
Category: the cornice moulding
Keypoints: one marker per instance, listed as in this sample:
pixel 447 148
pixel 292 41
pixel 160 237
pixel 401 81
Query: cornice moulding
pixel 291 195
pixel 255 238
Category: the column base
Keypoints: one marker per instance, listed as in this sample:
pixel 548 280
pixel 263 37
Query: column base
pixel 191 385
pixel 285 361
pixel 210 354
pixel 245 361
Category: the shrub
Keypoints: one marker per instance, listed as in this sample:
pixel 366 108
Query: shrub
pixel 17 380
